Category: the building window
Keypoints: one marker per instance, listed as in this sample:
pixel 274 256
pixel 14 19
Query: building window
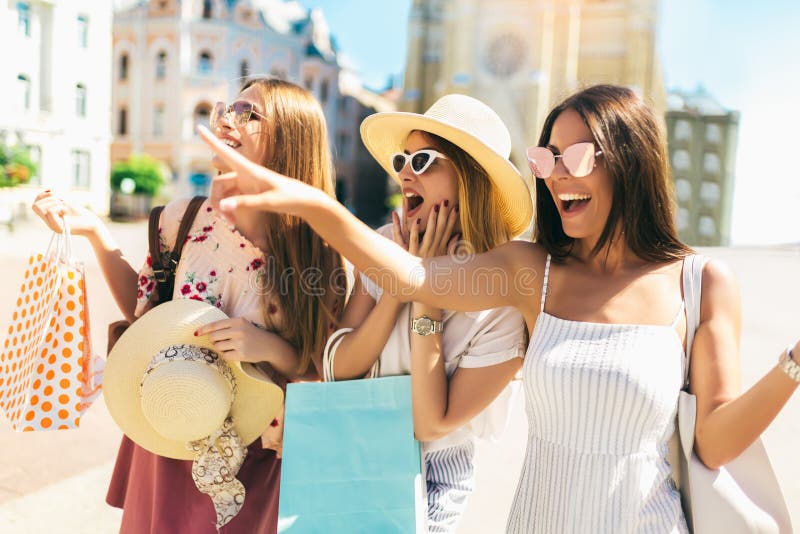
pixel 80 169
pixel 158 120
pixel 710 194
pixel 207 8
pixel 683 131
pixel 202 112
pixel 161 65
pixel 25 90
pixel 24 18
pixel 323 91
pixel 122 125
pixel 713 134
pixel 683 188
pixel 80 100
pixel 244 70
pixel 123 67
pixel 711 163
pixel 83 31
pixel 682 219
pixel 205 65
pixel 681 159
pixel 707 227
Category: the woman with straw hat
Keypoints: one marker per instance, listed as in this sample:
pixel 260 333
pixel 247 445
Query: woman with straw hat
pixel 460 192
pixel 192 381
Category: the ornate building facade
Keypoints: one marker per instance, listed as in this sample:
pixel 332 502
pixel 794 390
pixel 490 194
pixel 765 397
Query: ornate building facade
pixel 173 59
pixel 523 56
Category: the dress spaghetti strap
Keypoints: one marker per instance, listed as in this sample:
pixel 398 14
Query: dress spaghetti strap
pixel 544 285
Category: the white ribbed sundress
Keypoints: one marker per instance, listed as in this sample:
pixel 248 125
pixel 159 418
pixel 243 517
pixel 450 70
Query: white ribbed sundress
pixel 601 401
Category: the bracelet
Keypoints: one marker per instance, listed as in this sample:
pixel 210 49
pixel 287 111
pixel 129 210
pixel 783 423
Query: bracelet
pixel 789 366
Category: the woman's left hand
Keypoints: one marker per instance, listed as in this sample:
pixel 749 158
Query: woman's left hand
pixel 237 339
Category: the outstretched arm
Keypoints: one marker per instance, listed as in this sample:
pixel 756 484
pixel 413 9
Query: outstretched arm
pixel 501 277
pixel 728 421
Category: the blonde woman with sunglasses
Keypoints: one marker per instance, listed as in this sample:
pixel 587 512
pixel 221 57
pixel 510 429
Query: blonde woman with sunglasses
pixel 455 181
pixel 234 264
pixel 600 291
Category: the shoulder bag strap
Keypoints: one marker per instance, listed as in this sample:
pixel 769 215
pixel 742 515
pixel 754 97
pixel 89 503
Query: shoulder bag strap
pixel 165 274
pixel 692 294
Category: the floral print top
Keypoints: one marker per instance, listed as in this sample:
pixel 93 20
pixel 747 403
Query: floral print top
pixel 218 265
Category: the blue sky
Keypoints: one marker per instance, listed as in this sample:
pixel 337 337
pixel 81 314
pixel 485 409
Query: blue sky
pixel 745 53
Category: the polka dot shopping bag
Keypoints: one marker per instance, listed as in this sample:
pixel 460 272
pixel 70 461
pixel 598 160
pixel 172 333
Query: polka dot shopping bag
pixel 48 374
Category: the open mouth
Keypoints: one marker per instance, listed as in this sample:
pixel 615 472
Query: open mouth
pixel 413 202
pixel 231 142
pixel 573 203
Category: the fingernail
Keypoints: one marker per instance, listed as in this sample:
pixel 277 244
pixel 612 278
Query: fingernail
pixel 446 203
pixel 48 190
pixel 436 208
pixel 227 204
pixel 195 332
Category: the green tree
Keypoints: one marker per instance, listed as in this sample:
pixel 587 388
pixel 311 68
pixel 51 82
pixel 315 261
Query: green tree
pixel 145 172
pixel 16 166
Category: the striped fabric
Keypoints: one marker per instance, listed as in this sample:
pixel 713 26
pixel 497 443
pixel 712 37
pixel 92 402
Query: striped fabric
pixel 601 401
pixel 450 480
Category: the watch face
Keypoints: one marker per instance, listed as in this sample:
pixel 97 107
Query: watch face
pixel 424 326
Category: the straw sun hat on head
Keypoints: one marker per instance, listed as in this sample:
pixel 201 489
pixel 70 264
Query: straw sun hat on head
pixel 470 125
pixel 174 396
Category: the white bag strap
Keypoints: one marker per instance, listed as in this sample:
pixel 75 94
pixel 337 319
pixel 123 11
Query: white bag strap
pixel 329 353
pixel 63 244
pixel 692 295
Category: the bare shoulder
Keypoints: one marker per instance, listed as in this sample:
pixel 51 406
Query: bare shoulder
pixel 718 277
pixel 720 289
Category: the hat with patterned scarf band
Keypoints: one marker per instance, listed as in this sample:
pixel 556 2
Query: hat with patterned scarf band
pixel 173 395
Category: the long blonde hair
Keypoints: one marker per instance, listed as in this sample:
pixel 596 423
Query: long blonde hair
pixel 306 274
pixel 482 225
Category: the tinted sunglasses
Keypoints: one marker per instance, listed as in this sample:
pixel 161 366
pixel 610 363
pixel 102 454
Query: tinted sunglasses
pixel 578 159
pixel 420 160
pixel 238 114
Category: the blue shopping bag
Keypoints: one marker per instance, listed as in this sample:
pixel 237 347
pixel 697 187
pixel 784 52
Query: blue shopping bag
pixel 350 460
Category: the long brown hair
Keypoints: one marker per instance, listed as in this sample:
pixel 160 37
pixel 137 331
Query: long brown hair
pixel 303 272
pixel 482 226
pixel 634 149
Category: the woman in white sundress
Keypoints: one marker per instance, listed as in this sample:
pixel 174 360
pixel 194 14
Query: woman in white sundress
pixel 600 291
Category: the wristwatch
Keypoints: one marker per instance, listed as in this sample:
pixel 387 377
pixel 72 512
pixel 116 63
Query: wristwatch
pixel 790 366
pixel 425 326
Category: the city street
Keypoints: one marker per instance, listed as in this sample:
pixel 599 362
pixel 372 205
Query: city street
pixel 56 481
